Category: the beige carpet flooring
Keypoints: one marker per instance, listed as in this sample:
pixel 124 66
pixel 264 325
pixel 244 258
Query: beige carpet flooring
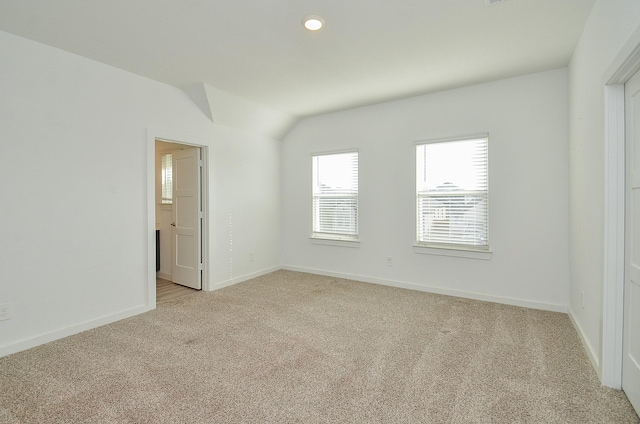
pixel 298 348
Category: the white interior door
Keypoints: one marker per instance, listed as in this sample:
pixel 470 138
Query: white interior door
pixel 186 219
pixel 631 335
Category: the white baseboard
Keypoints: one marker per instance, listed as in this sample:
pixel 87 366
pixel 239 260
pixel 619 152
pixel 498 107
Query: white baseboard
pixel 438 290
pixel 88 325
pixel 591 352
pixel 108 319
pixel 71 330
pixel 236 280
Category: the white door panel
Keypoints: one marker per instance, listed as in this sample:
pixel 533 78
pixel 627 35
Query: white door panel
pixel 186 269
pixel 631 335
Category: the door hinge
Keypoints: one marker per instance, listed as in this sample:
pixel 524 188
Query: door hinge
pixel 200 266
pixel 200 163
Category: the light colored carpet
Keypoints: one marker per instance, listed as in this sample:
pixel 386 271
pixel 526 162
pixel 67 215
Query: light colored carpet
pixel 292 347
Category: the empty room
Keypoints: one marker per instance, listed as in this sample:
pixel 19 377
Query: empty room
pixel 317 211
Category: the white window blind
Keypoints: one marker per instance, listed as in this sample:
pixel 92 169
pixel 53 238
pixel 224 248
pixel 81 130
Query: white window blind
pixel 452 193
pixel 167 179
pixel 335 196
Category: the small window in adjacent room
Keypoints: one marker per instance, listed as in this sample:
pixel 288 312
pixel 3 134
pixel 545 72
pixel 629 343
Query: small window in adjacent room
pixel 452 193
pixel 167 179
pixel 335 196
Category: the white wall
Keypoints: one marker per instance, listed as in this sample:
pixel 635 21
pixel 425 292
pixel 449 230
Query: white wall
pixel 610 25
pixel 73 150
pixel 244 207
pixel 526 118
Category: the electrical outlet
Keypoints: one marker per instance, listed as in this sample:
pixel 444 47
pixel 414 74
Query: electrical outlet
pixel 389 261
pixel 5 312
pixel 252 256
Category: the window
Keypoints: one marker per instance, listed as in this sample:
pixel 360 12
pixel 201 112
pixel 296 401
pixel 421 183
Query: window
pixel 167 179
pixel 335 196
pixel 452 195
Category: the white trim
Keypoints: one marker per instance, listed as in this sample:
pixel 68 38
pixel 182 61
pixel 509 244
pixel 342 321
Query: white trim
pixel 71 330
pixel 151 219
pixel 623 66
pixel 626 63
pixel 204 198
pixel 480 136
pixel 335 242
pixel 438 290
pixel 246 277
pixel 591 353
pixel 453 252
pixel 614 198
pixel 335 152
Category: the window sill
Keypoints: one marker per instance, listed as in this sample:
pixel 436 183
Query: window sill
pixel 453 252
pixel 335 242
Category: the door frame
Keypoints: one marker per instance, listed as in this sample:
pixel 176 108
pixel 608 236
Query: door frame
pixel 192 141
pixel 625 64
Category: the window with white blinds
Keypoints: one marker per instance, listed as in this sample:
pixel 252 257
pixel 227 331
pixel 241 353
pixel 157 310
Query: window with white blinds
pixel 335 196
pixel 452 193
pixel 167 179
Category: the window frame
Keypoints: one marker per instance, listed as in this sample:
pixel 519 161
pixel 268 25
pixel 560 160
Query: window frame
pixel 328 238
pixel 166 201
pixel 443 248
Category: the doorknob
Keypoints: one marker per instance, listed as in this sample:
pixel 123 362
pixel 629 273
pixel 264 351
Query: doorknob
pixel 173 224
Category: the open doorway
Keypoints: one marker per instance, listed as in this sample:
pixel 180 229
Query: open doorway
pixel 179 218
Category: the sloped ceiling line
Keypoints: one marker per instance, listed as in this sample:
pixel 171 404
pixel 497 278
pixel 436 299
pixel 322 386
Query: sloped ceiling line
pixel 229 110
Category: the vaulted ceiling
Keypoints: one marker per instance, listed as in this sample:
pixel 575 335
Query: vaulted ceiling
pixel 369 50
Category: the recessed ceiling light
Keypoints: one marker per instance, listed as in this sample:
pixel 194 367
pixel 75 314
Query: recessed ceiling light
pixel 313 23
